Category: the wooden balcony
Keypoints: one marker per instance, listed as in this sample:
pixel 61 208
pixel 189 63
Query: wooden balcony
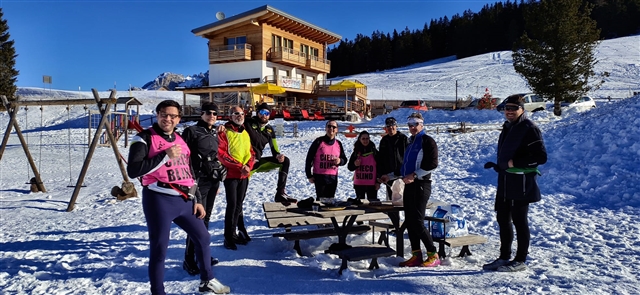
pixel 287 56
pixel 227 53
pixel 317 64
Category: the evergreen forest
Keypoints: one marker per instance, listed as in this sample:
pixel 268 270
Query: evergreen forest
pixel 494 28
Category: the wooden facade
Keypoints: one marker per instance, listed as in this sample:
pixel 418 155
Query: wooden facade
pixel 268 45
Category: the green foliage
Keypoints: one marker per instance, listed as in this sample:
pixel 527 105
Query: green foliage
pixel 556 53
pixel 8 73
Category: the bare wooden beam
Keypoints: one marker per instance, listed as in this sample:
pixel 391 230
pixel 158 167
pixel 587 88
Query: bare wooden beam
pixel 59 102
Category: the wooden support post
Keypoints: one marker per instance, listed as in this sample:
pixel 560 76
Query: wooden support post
pixel 13 110
pixel 104 111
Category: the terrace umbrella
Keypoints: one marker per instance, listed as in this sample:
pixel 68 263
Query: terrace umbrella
pixel 268 88
pixel 346 85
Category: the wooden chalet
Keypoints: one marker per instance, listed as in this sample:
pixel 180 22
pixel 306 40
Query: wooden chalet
pixel 268 45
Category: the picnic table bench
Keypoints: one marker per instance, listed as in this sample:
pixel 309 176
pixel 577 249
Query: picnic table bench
pixel 463 241
pixel 288 215
pixel 360 253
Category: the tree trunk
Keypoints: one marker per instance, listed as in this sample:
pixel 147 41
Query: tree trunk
pixel 556 108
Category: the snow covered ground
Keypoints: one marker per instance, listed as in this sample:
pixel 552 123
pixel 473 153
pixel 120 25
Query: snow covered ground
pixel 585 231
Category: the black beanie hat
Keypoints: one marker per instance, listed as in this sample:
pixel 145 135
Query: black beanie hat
pixel 263 106
pixel 209 106
pixel 515 99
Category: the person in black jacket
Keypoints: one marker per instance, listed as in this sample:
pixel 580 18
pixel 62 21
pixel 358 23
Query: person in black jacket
pixel 390 153
pixel 161 158
pixel 389 160
pixel 520 151
pixel 324 156
pixel 363 162
pixel 202 140
pixel 261 134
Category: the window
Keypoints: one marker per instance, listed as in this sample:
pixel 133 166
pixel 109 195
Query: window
pixel 304 50
pixel 288 44
pixel 279 43
pixel 536 98
pixel 276 42
pixel 232 43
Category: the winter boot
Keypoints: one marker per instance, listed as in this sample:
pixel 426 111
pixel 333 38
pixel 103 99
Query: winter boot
pixel 281 196
pixel 190 266
pixel 415 260
pixel 213 286
pixel 432 260
pixel 495 264
pixel 244 235
pixel 230 244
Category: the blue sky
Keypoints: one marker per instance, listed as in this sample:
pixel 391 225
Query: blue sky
pixel 98 44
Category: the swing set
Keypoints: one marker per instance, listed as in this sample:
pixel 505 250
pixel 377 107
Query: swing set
pixel 104 107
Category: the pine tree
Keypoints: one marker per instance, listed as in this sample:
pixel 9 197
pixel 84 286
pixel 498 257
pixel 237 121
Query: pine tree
pixel 556 53
pixel 8 73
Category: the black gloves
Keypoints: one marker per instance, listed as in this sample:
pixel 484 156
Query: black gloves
pixel 493 165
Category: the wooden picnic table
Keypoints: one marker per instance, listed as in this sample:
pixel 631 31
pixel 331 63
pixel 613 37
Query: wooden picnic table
pixel 349 215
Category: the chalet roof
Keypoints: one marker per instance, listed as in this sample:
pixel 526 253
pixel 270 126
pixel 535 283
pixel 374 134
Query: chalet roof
pixel 130 100
pixel 276 18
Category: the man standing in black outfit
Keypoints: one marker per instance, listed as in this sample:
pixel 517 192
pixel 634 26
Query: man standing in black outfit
pixel 389 159
pixel 520 151
pixel 202 140
pixel 390 152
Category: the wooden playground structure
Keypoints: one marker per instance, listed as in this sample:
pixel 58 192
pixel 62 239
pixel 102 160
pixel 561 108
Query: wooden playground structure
pixel 105 127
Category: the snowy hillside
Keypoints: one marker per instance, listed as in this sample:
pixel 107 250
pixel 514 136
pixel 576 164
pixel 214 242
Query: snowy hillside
pixel 585 232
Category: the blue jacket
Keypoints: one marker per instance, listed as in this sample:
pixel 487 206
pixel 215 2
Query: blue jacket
pixel 421 156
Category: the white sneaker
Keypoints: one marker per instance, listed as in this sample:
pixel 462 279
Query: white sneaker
pixel 213 286
pixel 513 266
pixel 496 264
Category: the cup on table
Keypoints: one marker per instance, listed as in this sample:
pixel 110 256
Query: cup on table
pixel 315 207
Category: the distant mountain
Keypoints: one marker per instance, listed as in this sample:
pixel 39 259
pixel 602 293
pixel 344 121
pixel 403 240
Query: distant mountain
pixel 169 81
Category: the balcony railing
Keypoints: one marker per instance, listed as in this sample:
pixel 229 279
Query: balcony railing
pixel 318 64
pixel 237 52
pixel 287 56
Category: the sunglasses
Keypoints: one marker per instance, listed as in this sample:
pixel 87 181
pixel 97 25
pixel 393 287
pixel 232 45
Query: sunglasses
pixel 413 124
pixel 238 113
pixel 364 138
pixel 511 108
pixel 211 113
pixel 165 115
pixel 264 112
pixel 332 126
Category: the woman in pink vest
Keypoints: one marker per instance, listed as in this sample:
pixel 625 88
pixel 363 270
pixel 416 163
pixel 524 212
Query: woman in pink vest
pixel 161 158
pixel 363 163
pixel 324 156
